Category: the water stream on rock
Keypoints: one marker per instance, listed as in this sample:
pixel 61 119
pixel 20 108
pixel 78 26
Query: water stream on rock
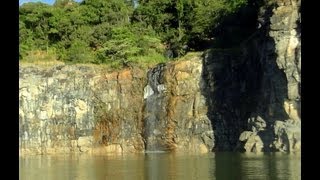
pixel 153 112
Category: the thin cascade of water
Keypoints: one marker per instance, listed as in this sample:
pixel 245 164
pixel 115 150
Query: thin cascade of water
pixel 152 95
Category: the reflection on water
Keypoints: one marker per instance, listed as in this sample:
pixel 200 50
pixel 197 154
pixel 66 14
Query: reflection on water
pixel 271 166
pixel 164 166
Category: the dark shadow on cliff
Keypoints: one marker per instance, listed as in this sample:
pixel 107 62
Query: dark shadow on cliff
pixel 244 82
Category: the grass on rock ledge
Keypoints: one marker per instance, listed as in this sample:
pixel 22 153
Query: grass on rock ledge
pixel 48 59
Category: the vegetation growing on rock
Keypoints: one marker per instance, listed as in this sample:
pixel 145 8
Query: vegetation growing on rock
pixel 119 32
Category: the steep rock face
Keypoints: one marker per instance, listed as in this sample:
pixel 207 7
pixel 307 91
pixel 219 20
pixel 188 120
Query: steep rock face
pixel 230 93
pixel 286 32
pixel 279 101
pixel 175 110
pixel 253 93
pixel 245 99
pixel 80 109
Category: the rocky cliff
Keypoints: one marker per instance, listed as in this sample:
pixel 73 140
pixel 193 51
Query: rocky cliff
pixel 253 92
pixel 275 123
pixel 75 108
pixel 244 99
pixel 88 109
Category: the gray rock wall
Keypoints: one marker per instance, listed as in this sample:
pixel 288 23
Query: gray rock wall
pixel 279 102
pixel 176 111
pixel 253 92
pixel 75 108
pixel 245 99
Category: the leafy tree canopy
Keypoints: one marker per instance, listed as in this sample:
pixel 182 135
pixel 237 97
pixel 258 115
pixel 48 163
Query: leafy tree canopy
pixel 122 31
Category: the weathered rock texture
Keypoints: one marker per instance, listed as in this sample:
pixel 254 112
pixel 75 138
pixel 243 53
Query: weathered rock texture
pixel 87 109
pixel 175 110
pixel 276 119
pixel 253 92
pixel 75 108
pixel 245 99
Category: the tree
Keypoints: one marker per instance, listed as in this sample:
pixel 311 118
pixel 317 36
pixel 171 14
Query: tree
pixel 63 3
pixel 181 22
pixel 106 31
pixel 79 52
pixel 110 11
pixel 34 17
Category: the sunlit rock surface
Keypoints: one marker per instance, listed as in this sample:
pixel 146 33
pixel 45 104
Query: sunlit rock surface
pixel 76 108
pixel 245 99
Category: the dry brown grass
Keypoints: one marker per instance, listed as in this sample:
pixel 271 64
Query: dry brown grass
pixel 191 56
pixel 40 58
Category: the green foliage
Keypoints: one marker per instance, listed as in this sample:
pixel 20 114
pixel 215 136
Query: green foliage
pixel 34 56
pixel 79 52
pixel 181 22
pixel 116 33
pixel 125 46
pixel 62 3
pixel 110 11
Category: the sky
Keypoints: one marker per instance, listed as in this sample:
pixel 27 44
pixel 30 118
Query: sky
pixel 44 1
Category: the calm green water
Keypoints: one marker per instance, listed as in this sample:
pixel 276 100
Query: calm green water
pixel 162 166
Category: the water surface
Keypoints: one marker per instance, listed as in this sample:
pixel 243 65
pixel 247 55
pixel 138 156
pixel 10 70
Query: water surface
pixel 162 166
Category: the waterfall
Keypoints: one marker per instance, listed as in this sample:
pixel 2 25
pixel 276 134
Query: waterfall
pixel 154 112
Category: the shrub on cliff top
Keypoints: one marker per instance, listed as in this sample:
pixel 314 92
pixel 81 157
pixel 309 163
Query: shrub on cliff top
pixel 120 31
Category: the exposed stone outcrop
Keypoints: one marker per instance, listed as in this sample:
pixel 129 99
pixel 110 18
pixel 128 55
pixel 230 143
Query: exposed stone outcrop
pixel 253 92
pixel 245 99
pixel 175 110
pixel 74 108
pixel 280 101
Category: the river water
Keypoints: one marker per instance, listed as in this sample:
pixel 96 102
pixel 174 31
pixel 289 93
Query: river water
pixel 162 166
